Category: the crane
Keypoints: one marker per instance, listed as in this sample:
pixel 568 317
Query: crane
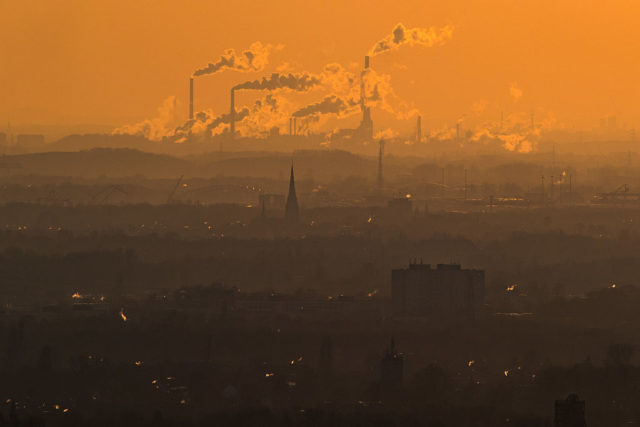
pixel 106 194
pixel 175 188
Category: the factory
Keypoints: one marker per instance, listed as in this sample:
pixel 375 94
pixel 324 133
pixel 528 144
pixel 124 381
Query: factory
pixel 297 129
pixel 442 295
pixel 364 132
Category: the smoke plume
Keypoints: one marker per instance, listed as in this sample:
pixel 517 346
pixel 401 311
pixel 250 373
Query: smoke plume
pixel 402 35
pixel 331 104
pixel 297 82
pixel 253 59
pixel 154 129
pixel 206 124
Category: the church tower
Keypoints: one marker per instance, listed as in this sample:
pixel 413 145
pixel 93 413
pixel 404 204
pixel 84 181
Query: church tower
pixel 291 210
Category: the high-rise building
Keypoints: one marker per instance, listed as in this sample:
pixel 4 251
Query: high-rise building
pixel 291 210
pixel 570 412
pixel 444 294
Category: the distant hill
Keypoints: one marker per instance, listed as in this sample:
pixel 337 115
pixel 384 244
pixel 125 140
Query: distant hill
pixel 99 162
pixel 320 165
pixel 102 140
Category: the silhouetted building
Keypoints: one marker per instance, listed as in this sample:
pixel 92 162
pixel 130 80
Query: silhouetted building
pixel 442 294
pixel 291 210
pixel 570 412
pixel 391 369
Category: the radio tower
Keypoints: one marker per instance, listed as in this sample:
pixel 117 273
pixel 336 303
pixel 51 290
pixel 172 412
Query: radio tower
pixel 380 154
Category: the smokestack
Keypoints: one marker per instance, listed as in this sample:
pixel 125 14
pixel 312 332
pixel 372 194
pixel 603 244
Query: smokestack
pixel 380 154
pixel 295 129
pixel 363 108
pixel 232 115
pixel 419 129
pixel 191 98
pixel 533 123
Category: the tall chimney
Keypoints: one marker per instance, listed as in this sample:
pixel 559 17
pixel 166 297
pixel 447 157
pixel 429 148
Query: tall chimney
pixel 380 177
pixel 295 129
pixel 362 94
pixel 419 129
pixel 191 98
pixel 232 115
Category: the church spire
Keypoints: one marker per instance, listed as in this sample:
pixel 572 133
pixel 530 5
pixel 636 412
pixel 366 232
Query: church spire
pixel 291 211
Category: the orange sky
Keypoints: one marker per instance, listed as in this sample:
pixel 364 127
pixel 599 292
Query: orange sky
pixel 114 61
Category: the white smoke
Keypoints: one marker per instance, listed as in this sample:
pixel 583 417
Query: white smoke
pixel 154 129
pixel 402 35
pixel 255 58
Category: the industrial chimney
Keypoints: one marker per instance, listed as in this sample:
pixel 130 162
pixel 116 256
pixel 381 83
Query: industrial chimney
pixel 380 155
pixel 419 129
pixel 232 115
pixel 295 129
pixel 191 98
pixel 366 125
pixel 291 126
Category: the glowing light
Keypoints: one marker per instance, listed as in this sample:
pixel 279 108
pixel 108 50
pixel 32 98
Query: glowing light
pixel 612 286
pixel 122 315
pixel 471 363
pixel 506 372
pixel 511 288
pixel 139 363
pixel 269 374
pixel 408 196
pixel 76 296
